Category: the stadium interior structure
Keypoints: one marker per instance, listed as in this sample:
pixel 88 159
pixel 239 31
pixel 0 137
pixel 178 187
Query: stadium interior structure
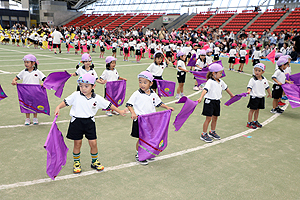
pixel 173 14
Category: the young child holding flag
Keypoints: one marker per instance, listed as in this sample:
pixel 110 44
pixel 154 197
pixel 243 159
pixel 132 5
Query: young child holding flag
pixel 212 93
pixel 242 55
pixel 279 78
pixel 157 68
pixel 232 55
pixel 256 88
pixel 88 67
pixel 181 73
pixel 110 74
pixel 30 75
pixel 141 102
pixel 200 64
pixel 85 105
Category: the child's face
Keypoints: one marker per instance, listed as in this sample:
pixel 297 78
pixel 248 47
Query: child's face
pixel 86 88
pixel 87 63
pixel 209 53
pixel 144 84
pixel 183 57
pixel 29 64
pixel 285 66
pixel 258 72
pixel 158 60
pixel 202 57
pixel 112 65
pixel 217 75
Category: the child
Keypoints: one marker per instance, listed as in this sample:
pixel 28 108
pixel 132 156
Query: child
pixel 50 42
pixel 93 44
pixel 125 49
pixel 217 51
pixel 157 68
pixel 138 51
pixel 88 44
pixel 88 67
pixel 212 93
pixel 30 75
pixel 256 88
pixel 279 78
pixel 76 45
pixel 152 48
pixel 85 105
pixel 114 47
pixel 257 55
pixel 243 54
pixel 141 102
pixel 110 74
pixel 131 44
pixel 232 54
pixel 181 73
pixel 102 49
pixel 82 43
pixel 209 59
pixel 200 64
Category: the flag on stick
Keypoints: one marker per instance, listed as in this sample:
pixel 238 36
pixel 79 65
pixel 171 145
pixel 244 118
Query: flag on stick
pixel 56 81
pixel 235 99
pixel 165 88
pixel 115 92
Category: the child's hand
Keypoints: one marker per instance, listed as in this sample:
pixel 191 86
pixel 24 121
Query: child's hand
pixel 269 96
pixel 56 112
pixel 125 79
pixel 134 116
pixel 199 100
pixel 14 82
pixel 248 92
pixel 42 84
pixel 170 108
pixel 231 96
pixel 279 83
pixel 122 112
pixel 290 82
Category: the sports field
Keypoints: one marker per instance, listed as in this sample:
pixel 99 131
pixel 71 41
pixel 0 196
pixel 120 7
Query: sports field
pixel 264 166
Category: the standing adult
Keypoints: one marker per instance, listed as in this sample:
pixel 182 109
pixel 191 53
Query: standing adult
pixel 57 36
pixel 162 33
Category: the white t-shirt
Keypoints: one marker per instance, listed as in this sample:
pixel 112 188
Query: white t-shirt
pixel 143 103
pixel 279 75
pixel 258 87
pixel 257 54
pixel 232 52
pixel 200 64
pixel 217 50
pixel 82 107
pixel 243 53
pixel 156 70
pixel 33 77
pixel 56 37
pixel 81 71
pixel 214 89
pixel 110 75
pixel 209 60
pixel 181 64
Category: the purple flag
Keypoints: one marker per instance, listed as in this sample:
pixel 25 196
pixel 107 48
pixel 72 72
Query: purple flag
pixel 153 133
pixel 56 81
pixel 115 92
pixel 33 99
pixel 292 91
pixel 295 78
pixel 235 99
pixel 2 94
pixel 192 61
pixel 165 88
pixel 56 151
pixel 220 63
pixel 200 76
pixel 187 109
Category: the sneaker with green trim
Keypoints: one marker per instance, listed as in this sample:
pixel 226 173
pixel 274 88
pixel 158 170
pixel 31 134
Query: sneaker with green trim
pixel 76 167
pixel 97 165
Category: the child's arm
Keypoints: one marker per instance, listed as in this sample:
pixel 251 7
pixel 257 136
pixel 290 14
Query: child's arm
pixel 101 81
pixel 73 74
pixel 14 81
pixel 202 95
pixel 133 115
pixel 183 69
pixel 269 93
pixel 167 61
pixel 229 92
pixel 248 90
pixel 166 107
pixel 120 78
pixel 289 82
pixel 114 108
pixel 61 105
pixel 278 83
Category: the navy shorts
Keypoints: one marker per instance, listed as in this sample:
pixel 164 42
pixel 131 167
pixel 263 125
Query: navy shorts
pixel 231 60
pixel 256 103
pixel 135 129
pixel 211 107
pixel 255 61
pixel 181 77
pixel 242 60
pixel 80 127
pixel 277 91
pixel 154 85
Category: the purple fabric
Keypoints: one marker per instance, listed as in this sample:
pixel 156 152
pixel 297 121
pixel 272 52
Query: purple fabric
pixel 220 63
pixel 295 78
pixel 235 99
pixel 56 151
pixel 292 91
pixel 187 109
pixel 115 92
pixel 33 99
pixel 165 88
pixel 200 76
pixel 2 94
pixel 56 81
pixel 153 134
pixel 192 61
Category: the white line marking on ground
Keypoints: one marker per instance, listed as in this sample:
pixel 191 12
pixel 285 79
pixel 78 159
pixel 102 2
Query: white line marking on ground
pixel 131 164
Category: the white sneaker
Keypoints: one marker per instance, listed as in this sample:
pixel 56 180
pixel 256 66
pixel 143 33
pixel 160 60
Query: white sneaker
pixel 35 121
pixel 196 88
pixel 200 88
pixel 115 113
pixel 177 96
pixel 108 113
pixel 27 121
pixel 181 94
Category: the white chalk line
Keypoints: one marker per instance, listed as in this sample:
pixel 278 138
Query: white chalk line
pixel 131 164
